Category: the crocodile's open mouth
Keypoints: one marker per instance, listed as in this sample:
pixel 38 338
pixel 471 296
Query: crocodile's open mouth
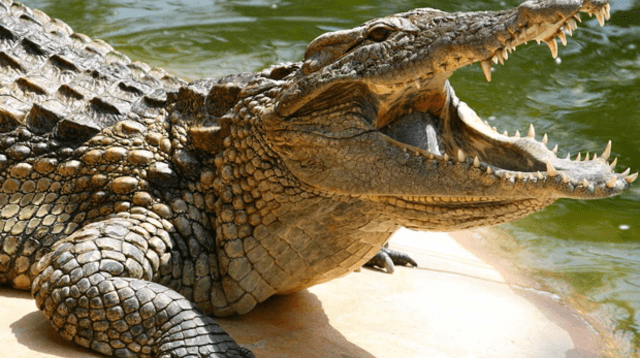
pixel 431 121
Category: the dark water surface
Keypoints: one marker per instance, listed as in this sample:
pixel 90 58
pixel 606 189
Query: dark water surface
pixel 586 97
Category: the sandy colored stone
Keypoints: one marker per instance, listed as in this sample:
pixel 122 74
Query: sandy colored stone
pixel 454 305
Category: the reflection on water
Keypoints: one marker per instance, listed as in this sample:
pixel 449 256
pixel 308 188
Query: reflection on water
pixel 582 100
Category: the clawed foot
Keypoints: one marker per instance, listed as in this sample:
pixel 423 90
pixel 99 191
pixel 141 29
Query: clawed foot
pixel 387 259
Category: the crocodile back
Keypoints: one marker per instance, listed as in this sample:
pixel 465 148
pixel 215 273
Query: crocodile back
pixel 59 91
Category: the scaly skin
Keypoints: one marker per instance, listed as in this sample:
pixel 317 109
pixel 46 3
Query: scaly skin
pixel 134 204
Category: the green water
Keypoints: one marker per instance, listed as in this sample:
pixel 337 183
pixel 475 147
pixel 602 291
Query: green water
pixel 588 96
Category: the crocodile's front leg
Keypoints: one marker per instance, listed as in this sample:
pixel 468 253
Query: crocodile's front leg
pixel 95 287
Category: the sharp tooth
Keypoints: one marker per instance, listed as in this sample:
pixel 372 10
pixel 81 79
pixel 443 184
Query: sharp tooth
pixel 476 162
pixel 506 175
pixel 417 83
pixel 545 139
pixel 505 133
pixel 494 129
pixel 631 178
pixel 563 38
pixel 538 41
pixel 461 157
pixel 568 29
pixel 540 175
pixel 600 17
pixel 565 178
pixel 517 135
pixel 579 157
pixel 577 17
pixel 489 171
pixel 568 156
pixel 611 182
pixel 607 11
pixel 607 151
pixel 486 69
pixel 532 131
pixel 446 157
pixel 571 24
pixel 614 163
pixel 404 150
pixel 520 175
pixel 555 149
pixel 585 183
pixel 505 54
pixel 626 172
pixel 551 170
pixel 586 157
pixel 553 46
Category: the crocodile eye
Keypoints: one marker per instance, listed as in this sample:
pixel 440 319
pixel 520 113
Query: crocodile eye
pixel 379 34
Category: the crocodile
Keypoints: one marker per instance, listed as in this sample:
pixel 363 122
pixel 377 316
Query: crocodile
pixel 137 206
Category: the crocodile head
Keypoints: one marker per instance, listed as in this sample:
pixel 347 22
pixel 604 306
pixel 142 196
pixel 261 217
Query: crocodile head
pixel 370 113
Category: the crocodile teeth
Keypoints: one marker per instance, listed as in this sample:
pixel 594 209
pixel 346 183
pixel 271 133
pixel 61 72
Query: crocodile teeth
pixel 476 162
pixel 585 183
pixel 626 172
pixel 631 178
pixel 563 38
pixel 565 178
pixel 445 157
pixel 520 175
pixel 610 184
pixel 555 149
pixel 600 17
pixel 545 139
pixel 505 54
pixel 551 170
pixel 505 133
pixel 586 157
pixel 517 134
pixel 568 156
pixel 579 157
pixel 607 152
pixel 614 163
pixel 606 10
pixel 577 17
pixel 572 25
pixel 461 157
pixel 486 69
pixel 540 175
pixel 553 46
pixel 489 171
pixel 532 131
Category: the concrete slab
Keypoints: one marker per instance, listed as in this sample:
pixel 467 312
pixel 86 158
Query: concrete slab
pixel 454 305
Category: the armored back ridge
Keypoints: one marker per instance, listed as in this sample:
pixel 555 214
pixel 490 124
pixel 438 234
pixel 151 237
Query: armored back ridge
pixel 134 204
